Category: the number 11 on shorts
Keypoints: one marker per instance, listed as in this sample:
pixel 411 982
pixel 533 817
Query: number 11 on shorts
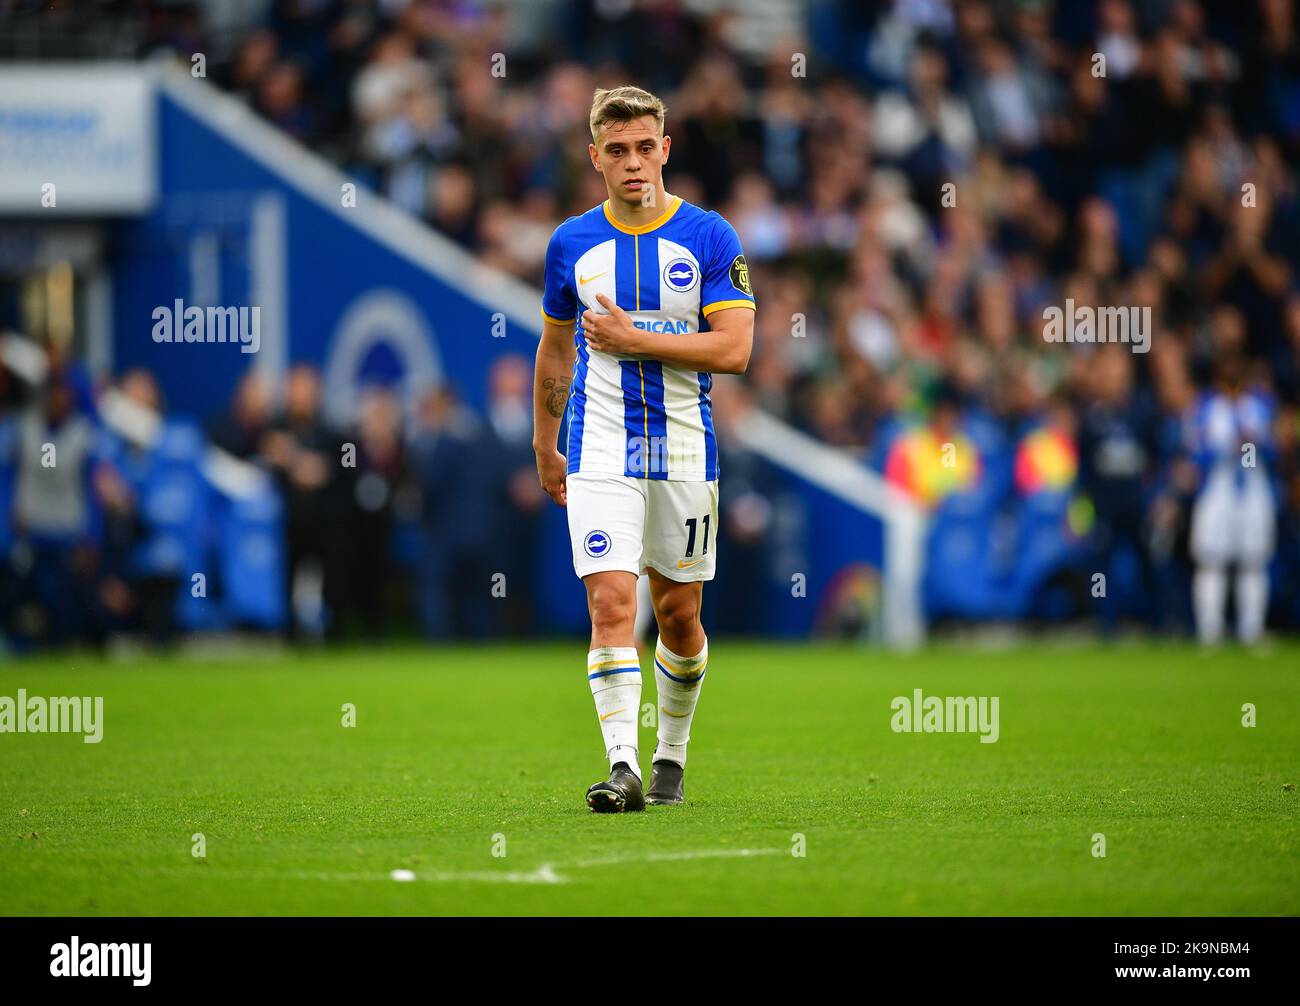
pixel 690 540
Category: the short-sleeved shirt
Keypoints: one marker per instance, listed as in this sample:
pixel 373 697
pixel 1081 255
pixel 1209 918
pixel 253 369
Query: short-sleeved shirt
pixel 1220 427
pixel 637 417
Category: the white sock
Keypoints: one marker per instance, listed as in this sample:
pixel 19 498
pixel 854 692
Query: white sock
pixel 1252 602
pixel 677 682
pixel 1209 597
pixel 614 673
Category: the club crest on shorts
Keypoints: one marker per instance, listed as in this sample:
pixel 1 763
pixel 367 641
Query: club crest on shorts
pixel 681 275
pixel 597 543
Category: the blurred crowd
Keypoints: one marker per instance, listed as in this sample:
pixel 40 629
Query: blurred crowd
pixel 913 182
pixel 409 519
pixel 402 523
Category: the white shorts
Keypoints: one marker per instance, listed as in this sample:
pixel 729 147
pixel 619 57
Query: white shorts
pixel 1233 524
pixel 616 522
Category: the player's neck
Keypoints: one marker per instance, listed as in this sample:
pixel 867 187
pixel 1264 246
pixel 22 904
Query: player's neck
pixel 638 214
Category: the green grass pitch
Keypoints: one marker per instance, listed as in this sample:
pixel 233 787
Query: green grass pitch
pixel 457 753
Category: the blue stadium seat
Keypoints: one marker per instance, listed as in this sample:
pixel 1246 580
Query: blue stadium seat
pixel 965 571
pixel 1045 547
pixel 250 558
pixel 175 504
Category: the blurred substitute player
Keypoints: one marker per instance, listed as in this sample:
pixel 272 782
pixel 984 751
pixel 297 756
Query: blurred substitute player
pixel 1233 519
pixel 652 297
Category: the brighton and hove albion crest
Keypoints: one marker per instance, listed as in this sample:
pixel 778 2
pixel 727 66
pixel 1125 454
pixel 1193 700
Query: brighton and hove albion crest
pixel 681 275
pixel 597 544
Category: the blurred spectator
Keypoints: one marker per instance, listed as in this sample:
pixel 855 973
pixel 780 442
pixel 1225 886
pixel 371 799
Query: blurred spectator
pixel 241 433
pixel 280 100
pixel 458 483
pixel 520 500
pixel 58 557
pixel 56 452
pixel 1117 450
pixel 306 457
pixel 152 574
pixel 379 477
pixel 1233 522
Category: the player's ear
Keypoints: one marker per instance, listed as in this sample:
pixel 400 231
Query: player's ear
pixel 594 154
pixel 668 142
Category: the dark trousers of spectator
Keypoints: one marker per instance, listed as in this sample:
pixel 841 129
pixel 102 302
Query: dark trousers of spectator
pixel 734 602
pixel 363 603
pixel 1285 595
pixel 516 560
pixel 455 593
pixel 325 545
pixel 155 605
pixel 1119 549
pixel 58 587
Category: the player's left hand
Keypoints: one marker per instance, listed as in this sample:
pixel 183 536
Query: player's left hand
pixel 612 332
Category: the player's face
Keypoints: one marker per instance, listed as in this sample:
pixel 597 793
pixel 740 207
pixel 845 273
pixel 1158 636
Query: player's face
pixel 631 156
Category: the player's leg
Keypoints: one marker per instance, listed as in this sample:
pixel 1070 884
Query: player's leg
pixel 677 613
pixel 606 522
pixel 681 554
pixel 644 613
pixel 1212 552
pixel 613 668
pixel 1209 597
pixel 681 660
pixel 1252 601
pixel 1255 539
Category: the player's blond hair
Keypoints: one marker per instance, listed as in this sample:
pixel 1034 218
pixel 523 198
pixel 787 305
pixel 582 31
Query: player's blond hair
pixel 623 104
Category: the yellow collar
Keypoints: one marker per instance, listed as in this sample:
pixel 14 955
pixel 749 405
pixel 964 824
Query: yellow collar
pixel 673 205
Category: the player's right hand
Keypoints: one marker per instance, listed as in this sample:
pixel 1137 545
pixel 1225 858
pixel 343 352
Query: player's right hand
pixel 551 467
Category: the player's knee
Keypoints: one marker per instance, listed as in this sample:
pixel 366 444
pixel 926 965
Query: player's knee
pixel 678 616
pixel 611 608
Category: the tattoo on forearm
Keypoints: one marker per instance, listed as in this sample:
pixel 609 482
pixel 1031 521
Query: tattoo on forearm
pixel 557 395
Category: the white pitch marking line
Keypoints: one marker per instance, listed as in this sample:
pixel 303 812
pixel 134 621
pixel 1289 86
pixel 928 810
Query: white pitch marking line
pixel 544 874
pixel 671 857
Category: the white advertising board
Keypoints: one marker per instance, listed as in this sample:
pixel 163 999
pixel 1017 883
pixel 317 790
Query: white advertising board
pixel 77 139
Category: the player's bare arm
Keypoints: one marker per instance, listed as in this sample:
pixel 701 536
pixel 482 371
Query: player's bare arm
pixel 551 376
pixel 724 349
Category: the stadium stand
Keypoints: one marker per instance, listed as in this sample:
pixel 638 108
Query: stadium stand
pixel 909 206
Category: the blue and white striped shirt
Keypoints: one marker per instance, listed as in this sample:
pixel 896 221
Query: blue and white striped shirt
pixel 629 416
